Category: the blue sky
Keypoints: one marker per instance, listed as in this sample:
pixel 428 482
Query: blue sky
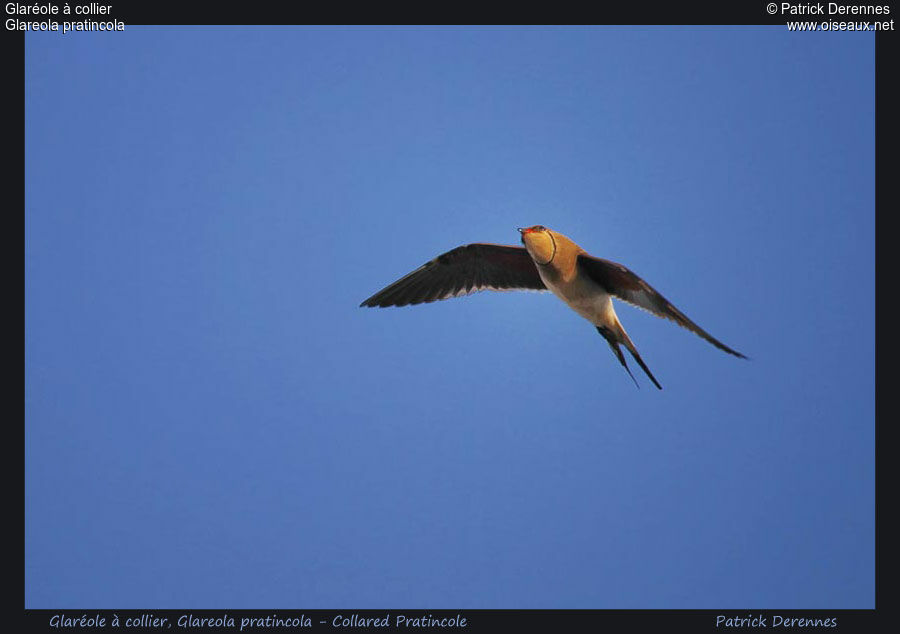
pixel 211 421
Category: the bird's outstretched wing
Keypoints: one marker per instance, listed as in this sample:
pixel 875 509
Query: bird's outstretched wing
pixel 462 271
pixel 622 283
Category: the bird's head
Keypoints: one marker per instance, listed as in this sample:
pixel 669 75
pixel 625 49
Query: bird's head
pixel 540 243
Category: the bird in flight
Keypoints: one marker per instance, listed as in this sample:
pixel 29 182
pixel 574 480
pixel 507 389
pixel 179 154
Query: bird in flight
pixel 548 261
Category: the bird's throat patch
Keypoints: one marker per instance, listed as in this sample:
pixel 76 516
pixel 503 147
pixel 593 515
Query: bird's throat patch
pixel 552 253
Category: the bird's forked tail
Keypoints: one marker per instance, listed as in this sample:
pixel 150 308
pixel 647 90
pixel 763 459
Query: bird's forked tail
pixel 617 336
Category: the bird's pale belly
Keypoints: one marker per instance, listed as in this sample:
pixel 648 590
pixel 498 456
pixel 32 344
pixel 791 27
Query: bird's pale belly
pixel 586 298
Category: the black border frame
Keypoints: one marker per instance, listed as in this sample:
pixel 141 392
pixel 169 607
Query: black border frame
pixel 704 12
